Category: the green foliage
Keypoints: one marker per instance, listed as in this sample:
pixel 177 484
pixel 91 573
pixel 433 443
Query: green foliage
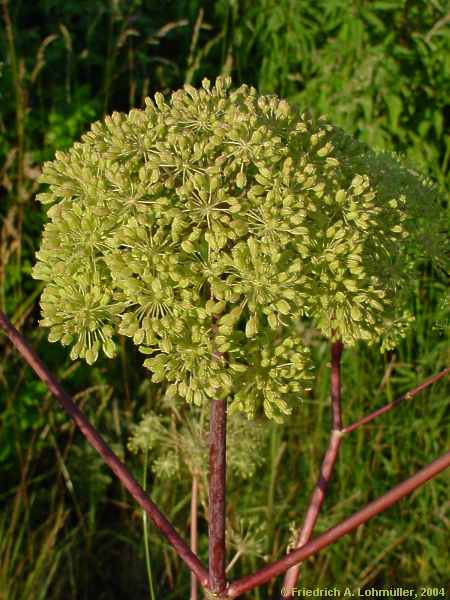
pixel 21 578
pixel 381 70
pixel 24 415
pixel 229 204
pixel 65 125
pixel 87 474
pixel 248 538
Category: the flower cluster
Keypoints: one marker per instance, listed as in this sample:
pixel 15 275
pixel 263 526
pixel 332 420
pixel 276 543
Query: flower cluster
pixel 186 445
pixel 229 206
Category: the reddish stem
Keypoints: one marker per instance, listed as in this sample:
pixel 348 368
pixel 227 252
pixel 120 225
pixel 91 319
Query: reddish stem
pixel 194 530
pixel 326 470
pixel 217 484
pixel 391 405
pixel 336 353
pixel 335 533
pixel 96 441
pixel 216 505
pixel 215 578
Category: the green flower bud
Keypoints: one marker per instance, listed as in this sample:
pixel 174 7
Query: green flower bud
pixel 224 203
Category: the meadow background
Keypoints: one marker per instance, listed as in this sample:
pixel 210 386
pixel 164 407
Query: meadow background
pixel 381 70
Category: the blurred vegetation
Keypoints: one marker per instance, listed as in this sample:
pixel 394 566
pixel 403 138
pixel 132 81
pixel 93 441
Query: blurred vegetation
pixel 381 70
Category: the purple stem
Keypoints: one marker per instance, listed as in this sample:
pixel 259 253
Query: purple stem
pixel 216 505
pixel 391 405
pixel 194 530
pixel 335 533
pixel 96 441
pixel 215 578
pixel 326 470
pixel 217 485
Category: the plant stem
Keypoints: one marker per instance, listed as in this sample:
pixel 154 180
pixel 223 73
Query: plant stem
pixel 216 505
pixel 335 533
pixel 234 560
pixel 217 485
pixel 144 521
pixel 326 470
pixel 315 504
pixel 391 405
pixel 336 353
pixel 194 530
pixel 97 442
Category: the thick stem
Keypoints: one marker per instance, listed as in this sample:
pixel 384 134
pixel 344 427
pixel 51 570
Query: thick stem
pixel 194 530
pixel 217 485
pixel 96 441
pixel 312 514
pixel 216 505
pixel 326 470
pixel 391 405
pixel 336 353
pixel 335 533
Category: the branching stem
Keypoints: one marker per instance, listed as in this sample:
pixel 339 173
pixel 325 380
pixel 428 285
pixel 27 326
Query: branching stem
pixel 387 407
pixel 335 533
pixel 326 470
pixel 216 505
pixel 213 580
pixel 194 530
pixel 97 442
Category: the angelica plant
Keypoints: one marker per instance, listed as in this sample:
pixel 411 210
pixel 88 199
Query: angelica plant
pixel 205 227
pixel 222 202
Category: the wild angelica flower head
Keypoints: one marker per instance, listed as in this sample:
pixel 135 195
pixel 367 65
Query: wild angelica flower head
pixel 226 203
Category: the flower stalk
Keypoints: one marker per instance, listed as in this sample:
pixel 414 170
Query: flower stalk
pixel 390 405
pixel 194 530
pixel 97 442
pixel 343 528
pixel 326 470
pixel 217 487
pixel 213 581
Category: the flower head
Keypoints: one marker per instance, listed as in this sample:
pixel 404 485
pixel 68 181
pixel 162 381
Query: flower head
pixel 220 202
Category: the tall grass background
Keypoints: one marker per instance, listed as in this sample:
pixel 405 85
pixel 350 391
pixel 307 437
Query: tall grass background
pixel 381 70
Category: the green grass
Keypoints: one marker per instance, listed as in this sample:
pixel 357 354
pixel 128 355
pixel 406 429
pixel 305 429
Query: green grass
pixel 67 528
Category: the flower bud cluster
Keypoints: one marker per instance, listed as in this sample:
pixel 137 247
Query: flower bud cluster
pixel 222 203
